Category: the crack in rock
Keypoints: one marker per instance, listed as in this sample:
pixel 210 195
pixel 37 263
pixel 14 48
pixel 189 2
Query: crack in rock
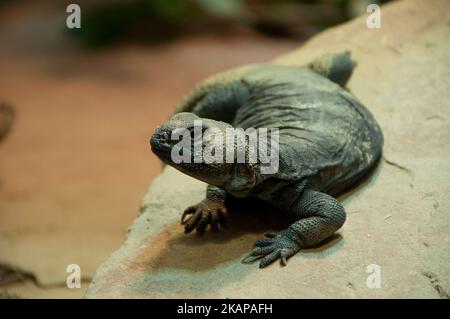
pixel 435 117
pixel 11 275
pixel 434 281
pixel 403 168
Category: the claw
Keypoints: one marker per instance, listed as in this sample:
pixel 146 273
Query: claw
pixel 262 250
pixel 285 253
pixel 187 211
pixel 203 222
pixel 270 234
pixel 183 217
pixel 257 253
pixel 207 212
pixel 249 259
pixel 283 258
pixel 191 222
pixel 269 250
pixel 269 259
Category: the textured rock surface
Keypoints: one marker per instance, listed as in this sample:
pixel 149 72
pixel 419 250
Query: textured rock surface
pixel 399 219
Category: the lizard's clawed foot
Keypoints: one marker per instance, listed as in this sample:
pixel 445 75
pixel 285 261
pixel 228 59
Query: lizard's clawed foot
pixel 275 246
pixel 205 213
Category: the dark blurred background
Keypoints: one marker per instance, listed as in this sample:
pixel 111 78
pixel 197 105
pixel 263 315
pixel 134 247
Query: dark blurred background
pixel 156 21
pixel 79 106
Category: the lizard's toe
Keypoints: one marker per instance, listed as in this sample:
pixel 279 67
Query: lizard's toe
pixel 263 242
pixel 270 258
pixel 258 253
pixel 203 222
pixel 285 253
pixel 190 224
pixel 215 218
pixel 188 211
pixel 269 250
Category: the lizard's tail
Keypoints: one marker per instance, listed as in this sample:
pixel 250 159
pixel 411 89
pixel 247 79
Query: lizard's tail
pixel 338 67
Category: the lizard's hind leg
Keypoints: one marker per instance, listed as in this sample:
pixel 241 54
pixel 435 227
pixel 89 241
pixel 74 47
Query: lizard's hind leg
pixel 320 216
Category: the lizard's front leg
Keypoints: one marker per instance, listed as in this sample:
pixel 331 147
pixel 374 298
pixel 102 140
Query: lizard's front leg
pixel 211 210
pixel 321 216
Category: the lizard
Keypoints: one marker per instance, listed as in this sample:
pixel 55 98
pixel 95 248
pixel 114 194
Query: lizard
pixel 328 142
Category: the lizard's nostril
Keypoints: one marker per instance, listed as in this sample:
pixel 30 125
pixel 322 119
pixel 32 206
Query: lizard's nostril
pixel 165 137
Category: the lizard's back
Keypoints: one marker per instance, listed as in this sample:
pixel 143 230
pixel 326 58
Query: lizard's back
pixel 325 135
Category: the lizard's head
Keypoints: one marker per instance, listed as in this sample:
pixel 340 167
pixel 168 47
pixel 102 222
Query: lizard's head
pixel 195 146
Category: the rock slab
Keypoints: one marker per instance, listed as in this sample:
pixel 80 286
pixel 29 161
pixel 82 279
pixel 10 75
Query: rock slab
pixel 398 220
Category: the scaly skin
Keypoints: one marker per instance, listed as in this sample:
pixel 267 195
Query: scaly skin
pixel 328 142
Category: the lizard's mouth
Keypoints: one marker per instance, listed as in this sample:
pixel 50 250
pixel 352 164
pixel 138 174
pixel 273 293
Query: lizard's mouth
pixel 162 155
